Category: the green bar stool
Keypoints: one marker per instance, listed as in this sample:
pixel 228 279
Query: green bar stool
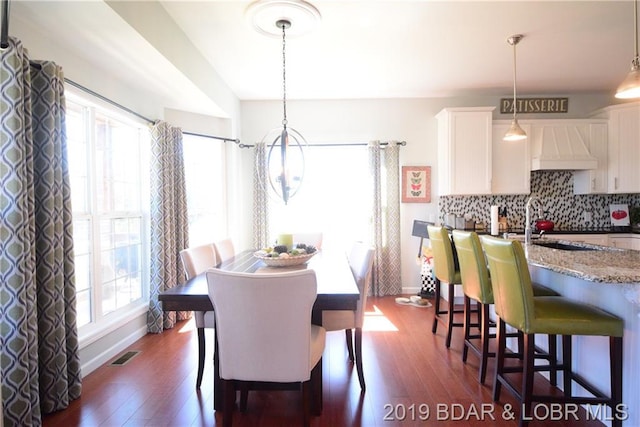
pixel 445 270
pixel 516 305
pixel 476 285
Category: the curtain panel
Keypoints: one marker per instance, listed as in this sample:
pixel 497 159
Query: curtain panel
pixel 383 164
pixel 169 222
pixel 260 197
pixel 40 363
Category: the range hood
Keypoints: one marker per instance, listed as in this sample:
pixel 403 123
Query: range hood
pixel 561 145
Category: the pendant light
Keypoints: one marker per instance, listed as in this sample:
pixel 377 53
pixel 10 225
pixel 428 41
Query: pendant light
pixel 630 87
pixel 285 157
pixel 515 132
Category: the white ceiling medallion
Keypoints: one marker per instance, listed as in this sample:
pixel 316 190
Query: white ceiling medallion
pixel 263 15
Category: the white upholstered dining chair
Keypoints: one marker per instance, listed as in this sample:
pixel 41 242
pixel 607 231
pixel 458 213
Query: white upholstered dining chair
pixel 225 249
pixel 264 330
pixel 361 262
pixel 196 260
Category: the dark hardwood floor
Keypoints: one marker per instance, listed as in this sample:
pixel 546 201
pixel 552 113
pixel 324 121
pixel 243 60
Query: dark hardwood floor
pixel 408 371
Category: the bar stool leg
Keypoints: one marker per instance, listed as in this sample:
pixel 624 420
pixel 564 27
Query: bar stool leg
pixel 467 327
pixel 527 377
pixel 436 311
pixel 450 314
pixel 502 344
pixel 567 372
pixel 615 361
pixel 484 340
pixel 553 360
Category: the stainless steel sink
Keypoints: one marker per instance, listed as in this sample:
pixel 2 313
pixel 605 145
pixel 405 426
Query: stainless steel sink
pixel 562 246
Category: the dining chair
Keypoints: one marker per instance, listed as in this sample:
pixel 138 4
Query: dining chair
pixel 445 269
pixel 314 239
pixel 225 249
pixel 361 262
pixel 476 286
pixel 196 260
pixel 515 305
pixel 264 331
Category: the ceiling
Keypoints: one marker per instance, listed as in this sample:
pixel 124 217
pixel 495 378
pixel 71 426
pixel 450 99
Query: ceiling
pixel 361 49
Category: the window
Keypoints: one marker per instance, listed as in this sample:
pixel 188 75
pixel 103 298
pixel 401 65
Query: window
pixel 335 197
pixel 108 168
pixel 205 182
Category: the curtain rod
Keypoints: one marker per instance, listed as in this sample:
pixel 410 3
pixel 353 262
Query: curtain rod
pixel 337 144
pixel 122 107
pixel 105 99
pixel 221 138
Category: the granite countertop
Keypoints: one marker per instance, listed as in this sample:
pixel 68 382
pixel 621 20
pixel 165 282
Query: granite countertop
pixel 586 230
pixel 603 264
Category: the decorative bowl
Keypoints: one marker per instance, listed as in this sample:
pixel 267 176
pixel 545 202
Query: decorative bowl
pixel 284 261
pixel 544 225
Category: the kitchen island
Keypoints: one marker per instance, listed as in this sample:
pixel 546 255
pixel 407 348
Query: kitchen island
pixel 608 278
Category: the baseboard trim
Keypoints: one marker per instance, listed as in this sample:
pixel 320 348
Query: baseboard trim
pixel 86 367
pixel 411 290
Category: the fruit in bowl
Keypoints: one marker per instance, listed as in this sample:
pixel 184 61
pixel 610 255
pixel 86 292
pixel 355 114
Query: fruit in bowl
pixel 280 256
pixel 281 251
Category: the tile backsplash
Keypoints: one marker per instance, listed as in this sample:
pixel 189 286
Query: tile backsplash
pixel 555 190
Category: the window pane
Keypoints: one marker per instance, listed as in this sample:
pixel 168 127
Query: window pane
pixel 108 159
pixel 83 307
pixel 77 154
pixel 325 191
pixel 117 165
pixel 204 176
pixel 121 261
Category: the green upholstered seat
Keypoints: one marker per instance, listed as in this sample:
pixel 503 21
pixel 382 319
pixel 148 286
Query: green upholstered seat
pixel 563 316
pixel 476 284
pixel 476 279
pixel 516 305
pixel 445 271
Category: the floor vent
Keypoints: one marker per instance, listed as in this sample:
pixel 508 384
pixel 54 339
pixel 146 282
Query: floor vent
pixel 126 357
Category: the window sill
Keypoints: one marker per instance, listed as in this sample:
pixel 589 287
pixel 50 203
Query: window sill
pixel 89 334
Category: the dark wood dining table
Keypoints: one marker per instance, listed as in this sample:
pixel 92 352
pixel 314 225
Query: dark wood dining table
pixel 337 290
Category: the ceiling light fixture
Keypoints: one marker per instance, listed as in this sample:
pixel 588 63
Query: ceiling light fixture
pixel 515 132
pixel 630 87
pixel 285 158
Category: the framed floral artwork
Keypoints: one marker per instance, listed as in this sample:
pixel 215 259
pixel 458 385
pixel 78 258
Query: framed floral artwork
pixel 416 184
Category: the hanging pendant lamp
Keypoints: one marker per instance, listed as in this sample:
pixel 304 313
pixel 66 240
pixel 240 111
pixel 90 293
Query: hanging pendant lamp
pixel 630 87
pixel 285 157
pixel 286 171
pixel 515 132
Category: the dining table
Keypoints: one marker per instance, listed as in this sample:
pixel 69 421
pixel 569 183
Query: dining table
pixel 336 290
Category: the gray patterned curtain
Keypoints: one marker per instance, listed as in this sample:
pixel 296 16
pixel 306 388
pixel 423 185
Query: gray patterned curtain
pixel 169 221
pixel 39 341
pixel 260 197
pixel 383 163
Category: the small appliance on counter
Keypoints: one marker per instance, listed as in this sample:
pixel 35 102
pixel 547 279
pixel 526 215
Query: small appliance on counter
pixel 452 221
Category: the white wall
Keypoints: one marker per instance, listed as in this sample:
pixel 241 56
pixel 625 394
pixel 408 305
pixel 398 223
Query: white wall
pixel 411 120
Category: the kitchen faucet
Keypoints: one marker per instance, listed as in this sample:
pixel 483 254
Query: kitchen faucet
pixel 527 224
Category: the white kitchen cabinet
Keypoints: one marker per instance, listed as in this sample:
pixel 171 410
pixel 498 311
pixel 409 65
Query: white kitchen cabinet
pixel 624 147
pixel 464 151
pixel 594 239
pixel 511 162
pixel 594 181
